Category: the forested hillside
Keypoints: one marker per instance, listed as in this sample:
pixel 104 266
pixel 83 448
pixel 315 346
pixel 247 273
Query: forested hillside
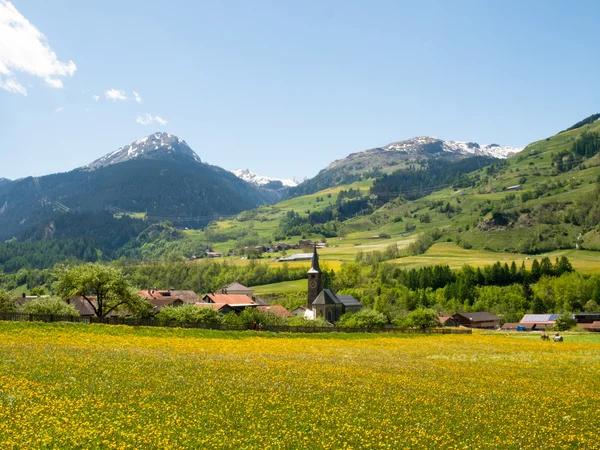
pixel 190 194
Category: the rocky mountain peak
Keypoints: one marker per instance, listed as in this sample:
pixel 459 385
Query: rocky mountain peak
pixel 157 146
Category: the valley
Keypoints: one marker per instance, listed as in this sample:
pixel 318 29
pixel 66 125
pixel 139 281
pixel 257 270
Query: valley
pixel 489 210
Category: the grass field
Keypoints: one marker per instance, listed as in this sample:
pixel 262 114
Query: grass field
pixel 455 256
pixel 80 386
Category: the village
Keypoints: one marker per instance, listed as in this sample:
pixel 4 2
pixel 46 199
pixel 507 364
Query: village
pixel 322 304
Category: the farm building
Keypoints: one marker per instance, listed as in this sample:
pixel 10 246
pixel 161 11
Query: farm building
pixel 516 187
pixel 484 320
pixel 594 326
pixel 447 320
pixel 297 257
pixel 539 321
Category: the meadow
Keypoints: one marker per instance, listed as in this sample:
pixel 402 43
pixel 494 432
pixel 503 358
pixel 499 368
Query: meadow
pixel 81 386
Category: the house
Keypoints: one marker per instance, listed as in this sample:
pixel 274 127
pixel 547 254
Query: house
pixel 305 243
pixel 24 298
pixel 300 311
pixel 214 255
pixel 260 301
pixel 278 310
pixel 158 300
pixel 231 302
pixel 237 289
pixel 539 321
pixel 221 307
pixel 324 302
pixel 84 308
pixel 484 320
pixel 446 320
pixel 189 297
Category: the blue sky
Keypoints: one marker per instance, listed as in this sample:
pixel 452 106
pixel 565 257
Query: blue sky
pixel 285 87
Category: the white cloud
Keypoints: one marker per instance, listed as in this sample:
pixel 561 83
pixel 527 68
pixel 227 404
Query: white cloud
pixel 149 119
pixel 59 109
pixel 12 85
pixel 96 97
pixel 115 94
pixel 23 48
pixel 138 97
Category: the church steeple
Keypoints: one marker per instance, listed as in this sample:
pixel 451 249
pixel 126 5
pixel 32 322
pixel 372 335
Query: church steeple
pixel 315 279
pixel 314 266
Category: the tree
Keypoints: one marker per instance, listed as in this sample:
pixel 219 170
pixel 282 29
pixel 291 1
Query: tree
pixel 49 305
pixel 107 284
pixel 591 307
pixel 7 304
pixel 565 322
pixel 423 318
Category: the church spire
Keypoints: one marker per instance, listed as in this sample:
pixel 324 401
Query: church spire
pixel 314 266
pixel 315 281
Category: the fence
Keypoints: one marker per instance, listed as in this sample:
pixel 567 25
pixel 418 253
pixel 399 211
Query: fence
pixel 116 320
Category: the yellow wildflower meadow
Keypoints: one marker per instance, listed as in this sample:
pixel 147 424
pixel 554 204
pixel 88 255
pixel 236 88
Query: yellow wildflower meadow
pixel 93 386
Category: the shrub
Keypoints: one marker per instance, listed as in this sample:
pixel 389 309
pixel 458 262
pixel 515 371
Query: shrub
pixel 49 305
pixel 365 318
pixel 420 318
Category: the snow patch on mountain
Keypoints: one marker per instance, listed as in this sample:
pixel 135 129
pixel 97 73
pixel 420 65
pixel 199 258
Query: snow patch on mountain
pixel 155 146
pixel 421 143
pixel 261 180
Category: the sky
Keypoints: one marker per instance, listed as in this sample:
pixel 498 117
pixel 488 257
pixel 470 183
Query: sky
pixel 282 87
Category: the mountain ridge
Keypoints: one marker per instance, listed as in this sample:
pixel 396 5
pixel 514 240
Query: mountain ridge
pixel 396 156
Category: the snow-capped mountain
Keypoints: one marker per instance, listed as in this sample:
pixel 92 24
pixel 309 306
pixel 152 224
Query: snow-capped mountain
pixel 160 146
pixel 4 181
pixel 261 180
pixel 430 144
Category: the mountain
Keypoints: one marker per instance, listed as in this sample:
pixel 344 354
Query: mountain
pixel 395 156
pixel 4 181
pixel 159 176
pixel 264 181
pixel 157 146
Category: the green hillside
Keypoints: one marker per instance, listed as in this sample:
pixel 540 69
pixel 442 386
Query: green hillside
pixel 553 211
pixel 462 205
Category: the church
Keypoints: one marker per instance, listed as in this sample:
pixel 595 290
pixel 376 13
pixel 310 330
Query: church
pixel 323 302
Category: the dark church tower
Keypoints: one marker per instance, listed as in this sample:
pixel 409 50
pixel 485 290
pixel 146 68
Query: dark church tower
pixel 315 279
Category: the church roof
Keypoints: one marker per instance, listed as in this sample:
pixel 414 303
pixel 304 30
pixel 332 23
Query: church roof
pixel 348 300
pixel 326 297
pixel 314 267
